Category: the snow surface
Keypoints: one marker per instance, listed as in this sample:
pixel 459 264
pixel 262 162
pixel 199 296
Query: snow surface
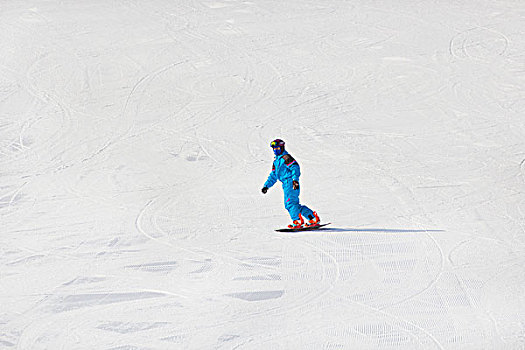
pixel 134 140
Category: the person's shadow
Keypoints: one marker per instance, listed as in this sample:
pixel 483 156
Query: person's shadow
pixel 384 230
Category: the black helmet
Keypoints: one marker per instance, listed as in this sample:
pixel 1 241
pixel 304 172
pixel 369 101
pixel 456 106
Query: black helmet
pixel 277 143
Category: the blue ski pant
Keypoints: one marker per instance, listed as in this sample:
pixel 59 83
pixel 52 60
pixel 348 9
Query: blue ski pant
pixel 291 201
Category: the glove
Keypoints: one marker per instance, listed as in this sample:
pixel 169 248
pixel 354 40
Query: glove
pixel 264 190
pixel 295 185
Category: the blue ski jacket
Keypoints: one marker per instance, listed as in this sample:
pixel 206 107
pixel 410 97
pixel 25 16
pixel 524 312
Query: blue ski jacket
pixel 284 168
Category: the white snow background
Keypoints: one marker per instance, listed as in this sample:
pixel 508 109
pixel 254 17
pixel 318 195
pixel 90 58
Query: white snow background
pixel 134 141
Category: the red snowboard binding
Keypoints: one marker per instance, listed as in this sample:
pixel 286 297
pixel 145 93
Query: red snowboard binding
pixel 315 221
pixel 297 224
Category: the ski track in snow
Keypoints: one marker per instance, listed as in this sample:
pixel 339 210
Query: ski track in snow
pixel 134 143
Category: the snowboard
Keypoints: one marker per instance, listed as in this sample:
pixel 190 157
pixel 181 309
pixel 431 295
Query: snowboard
pixel 311 228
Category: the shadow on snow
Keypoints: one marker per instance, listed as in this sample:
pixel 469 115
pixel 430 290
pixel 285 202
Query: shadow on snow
pixel 384 230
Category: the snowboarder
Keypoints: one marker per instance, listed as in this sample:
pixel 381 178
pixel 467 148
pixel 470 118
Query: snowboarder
pixel 286 169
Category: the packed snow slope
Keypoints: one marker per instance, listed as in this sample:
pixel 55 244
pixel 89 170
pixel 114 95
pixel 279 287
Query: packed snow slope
pixel 134 141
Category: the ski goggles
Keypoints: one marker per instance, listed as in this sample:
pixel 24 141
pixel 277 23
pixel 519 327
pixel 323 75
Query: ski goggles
pixel 275 144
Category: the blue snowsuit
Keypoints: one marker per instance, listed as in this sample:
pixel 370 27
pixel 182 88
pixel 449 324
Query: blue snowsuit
pixel 287 170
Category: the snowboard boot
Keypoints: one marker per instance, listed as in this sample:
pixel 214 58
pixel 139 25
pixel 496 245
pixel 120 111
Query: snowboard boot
pixel 313 220
pixel 297 223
